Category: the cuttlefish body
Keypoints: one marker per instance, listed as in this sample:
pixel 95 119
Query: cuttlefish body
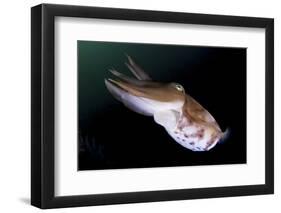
pixel 185 120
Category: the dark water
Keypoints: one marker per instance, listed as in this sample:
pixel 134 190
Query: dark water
pixel 111 136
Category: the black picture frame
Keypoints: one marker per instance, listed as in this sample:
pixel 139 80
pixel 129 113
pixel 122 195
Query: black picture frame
pixel 43 117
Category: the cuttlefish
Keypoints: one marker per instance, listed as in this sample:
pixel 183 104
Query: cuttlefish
pixel 184 119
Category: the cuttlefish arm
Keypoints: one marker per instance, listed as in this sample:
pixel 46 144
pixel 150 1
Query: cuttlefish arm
pixel 138 72
pixel 187 122
pixel 132 102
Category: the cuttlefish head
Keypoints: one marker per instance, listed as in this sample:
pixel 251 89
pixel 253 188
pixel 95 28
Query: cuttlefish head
pixel 145 96
pixel 163 101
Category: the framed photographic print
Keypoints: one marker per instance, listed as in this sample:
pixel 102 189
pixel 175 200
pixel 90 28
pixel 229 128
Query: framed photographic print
pixel 140 106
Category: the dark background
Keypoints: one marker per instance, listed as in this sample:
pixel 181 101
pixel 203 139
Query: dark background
pixel 112 136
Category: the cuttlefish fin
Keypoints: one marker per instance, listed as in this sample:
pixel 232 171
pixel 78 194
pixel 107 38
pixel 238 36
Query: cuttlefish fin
pixel 167 118
pixel 138 72
pixel 225 136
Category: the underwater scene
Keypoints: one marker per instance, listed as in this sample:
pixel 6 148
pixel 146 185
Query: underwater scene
pixel 160 105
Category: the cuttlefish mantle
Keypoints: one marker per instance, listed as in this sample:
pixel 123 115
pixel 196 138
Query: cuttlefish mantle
pixel 185 120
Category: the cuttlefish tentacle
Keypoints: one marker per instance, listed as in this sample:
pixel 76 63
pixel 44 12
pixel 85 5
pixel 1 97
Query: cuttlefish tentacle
pixel 185 120
pixel 137 70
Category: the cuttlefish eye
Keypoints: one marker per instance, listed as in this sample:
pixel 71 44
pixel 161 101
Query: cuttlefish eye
pixel 178 87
